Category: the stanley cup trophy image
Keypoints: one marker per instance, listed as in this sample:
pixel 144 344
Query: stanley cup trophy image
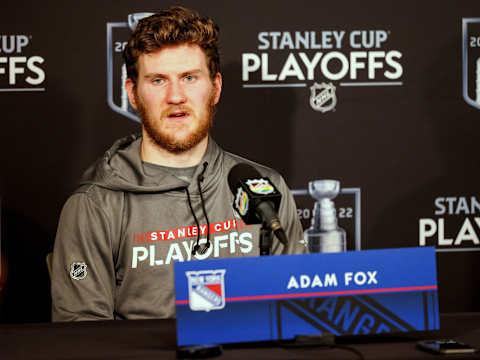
pixel 477 83
pixel 133 20
pixel 324 235
pixel 118 34
pixel 471 61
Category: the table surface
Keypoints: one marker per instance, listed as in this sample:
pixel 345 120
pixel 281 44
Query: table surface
pixel 156 339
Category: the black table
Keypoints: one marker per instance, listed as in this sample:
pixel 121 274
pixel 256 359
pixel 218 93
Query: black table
pixel 156 339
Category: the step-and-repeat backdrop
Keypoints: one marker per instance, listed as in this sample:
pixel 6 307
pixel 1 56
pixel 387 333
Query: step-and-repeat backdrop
pixel 382 96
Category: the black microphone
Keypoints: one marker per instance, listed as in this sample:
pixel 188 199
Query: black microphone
pixel 256 199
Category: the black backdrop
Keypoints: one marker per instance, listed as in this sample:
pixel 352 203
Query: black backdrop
pixel 406 142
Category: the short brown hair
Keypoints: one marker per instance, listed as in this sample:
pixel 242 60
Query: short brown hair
pixel 173 26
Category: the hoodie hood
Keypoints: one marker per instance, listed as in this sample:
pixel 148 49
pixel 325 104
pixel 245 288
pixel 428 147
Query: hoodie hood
pixel 122 169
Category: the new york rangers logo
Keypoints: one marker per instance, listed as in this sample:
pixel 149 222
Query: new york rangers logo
pixel 471 61
pixel 206 289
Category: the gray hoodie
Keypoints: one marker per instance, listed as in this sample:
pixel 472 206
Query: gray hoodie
pixel 121 230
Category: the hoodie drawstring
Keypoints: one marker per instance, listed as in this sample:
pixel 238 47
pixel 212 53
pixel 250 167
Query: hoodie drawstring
pixel 194 216
pixel 200 248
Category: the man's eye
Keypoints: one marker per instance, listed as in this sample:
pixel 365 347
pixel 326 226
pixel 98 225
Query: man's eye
pixel 157 81
pixel 189 78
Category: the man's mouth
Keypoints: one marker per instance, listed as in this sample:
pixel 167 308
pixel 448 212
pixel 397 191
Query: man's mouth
pixel 177 114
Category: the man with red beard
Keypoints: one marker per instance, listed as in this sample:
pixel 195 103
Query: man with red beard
pixel 161 196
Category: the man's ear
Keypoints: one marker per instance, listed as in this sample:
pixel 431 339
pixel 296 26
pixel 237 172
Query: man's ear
pixel 217 83
pixel 130 87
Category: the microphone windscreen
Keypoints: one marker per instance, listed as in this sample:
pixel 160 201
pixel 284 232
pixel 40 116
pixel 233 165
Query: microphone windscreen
pixel 241 172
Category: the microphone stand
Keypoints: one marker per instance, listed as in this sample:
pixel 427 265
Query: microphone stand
pixel 266 240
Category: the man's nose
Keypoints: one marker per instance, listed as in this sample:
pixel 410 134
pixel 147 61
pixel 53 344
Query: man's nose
pixel 175 93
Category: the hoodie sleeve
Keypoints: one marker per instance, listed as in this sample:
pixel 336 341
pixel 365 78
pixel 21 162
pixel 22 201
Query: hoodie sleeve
pixel 290 222
pixel 83 271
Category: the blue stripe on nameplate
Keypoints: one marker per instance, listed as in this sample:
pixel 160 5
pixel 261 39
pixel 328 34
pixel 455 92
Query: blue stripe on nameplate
pixel 279 297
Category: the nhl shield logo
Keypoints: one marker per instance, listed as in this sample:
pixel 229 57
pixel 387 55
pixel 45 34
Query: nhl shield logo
pixel 206 289
pixel 260 186
pixel 78 270
pixel 241 201
pixel 471 61
pixel 118 34
pixel 323 97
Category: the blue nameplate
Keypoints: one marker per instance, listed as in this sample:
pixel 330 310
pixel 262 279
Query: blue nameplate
pixel 279 297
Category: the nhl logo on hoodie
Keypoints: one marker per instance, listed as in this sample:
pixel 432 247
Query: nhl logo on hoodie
pixel 78 271
pixel 206 289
